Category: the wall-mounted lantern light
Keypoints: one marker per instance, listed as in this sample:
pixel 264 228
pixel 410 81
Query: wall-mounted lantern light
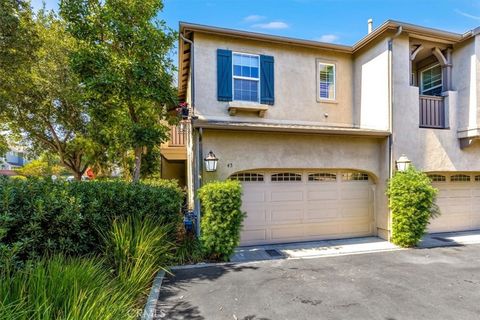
pixel 403 163
pixel 211 162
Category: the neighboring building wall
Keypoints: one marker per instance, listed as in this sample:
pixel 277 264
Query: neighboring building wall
pixel 174 170
pixel 16 159
pixel 295 83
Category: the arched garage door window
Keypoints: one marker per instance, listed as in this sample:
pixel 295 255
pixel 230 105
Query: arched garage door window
pixel 247 177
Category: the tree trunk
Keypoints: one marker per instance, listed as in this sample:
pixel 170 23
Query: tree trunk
pixel 138 163
pixel 78 176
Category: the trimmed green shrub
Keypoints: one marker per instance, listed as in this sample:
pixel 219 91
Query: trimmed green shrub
pixel 412 201
pixel 42 217
pixel 221 219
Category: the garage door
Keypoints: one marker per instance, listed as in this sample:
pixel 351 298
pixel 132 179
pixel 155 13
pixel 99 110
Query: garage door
pixel 459 202
pixel 305 205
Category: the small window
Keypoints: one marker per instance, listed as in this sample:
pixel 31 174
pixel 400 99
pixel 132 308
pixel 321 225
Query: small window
pixel 460 178
pixel 477 178
pixel 327 177
pixel 326 81
pixel 246 77
pixel 437 178
pixel 431 81
pixel 354 176
pixel 287 176
pixel 247 177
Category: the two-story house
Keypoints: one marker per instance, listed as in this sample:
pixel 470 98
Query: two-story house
pixel 313 130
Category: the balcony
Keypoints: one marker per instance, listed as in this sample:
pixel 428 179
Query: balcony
pixel 175 147
pixel 432 112
pixel 177 137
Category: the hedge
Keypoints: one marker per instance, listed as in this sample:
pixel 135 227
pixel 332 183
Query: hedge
pixel 38 216
pixel 412 201
pixel 221 218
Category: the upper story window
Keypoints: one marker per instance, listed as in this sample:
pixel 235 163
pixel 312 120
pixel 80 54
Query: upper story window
pixel 246 77
pixel 326 81
pixel 431 81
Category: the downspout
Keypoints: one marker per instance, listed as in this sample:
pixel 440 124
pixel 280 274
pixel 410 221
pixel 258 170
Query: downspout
pixel 390 102
pixel 390 95
pixel 197 162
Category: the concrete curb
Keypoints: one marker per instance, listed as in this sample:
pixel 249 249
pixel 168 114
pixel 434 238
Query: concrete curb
pixel 233 263
pixel 149 311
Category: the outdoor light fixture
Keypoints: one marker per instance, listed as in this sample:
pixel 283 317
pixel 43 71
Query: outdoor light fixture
pixel 211 162
pixel 403 163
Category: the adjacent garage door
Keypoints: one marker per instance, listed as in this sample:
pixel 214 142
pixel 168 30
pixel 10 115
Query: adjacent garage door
pixel 305 205
pixel 459 202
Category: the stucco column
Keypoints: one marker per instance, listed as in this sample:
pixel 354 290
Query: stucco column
pixel 448 68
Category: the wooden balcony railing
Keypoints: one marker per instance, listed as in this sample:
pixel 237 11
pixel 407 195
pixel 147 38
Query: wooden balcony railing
pixel 432 112
pixel 177 138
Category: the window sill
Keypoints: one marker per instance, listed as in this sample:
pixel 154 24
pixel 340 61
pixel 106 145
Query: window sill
pixel 235 106
pixel 327 101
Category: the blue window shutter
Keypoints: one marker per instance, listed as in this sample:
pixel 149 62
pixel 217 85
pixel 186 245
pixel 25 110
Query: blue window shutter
pixel 267 80
pixel 224 75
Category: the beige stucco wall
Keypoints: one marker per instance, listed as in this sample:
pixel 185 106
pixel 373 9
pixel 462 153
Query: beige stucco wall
pixel 466 74
pixel 242 150
pixel 371 89
pixel 295 82
pixel 430 149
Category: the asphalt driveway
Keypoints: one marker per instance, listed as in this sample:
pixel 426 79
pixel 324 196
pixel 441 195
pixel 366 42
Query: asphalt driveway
pixel 438 283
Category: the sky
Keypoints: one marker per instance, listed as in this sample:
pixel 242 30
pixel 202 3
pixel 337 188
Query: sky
pixel 336 21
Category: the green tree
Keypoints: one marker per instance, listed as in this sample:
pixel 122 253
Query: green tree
pixel 123 58
pixel 45 166
pixel 3 145
pixel 41 99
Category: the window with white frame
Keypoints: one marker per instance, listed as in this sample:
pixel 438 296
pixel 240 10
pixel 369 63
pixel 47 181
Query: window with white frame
pixel 431 81
pixel 246 77
pixel 326 81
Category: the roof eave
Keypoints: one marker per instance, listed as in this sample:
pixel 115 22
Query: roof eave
pixel 263 37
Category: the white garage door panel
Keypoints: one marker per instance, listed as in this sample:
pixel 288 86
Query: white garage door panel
pixel 459 203
pixel 287 211
pixel 286 214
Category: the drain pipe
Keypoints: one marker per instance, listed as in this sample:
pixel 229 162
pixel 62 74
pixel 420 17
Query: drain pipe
pixel 197 141
pixel 390 102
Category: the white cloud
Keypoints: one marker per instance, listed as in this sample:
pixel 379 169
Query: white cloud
pixel 327 38
pixel 471 16
pixel 253 18
pixel 271 25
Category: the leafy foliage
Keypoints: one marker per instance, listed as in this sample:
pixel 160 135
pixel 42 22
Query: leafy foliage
pixel 222 218
pixel 42 217
pixel 3 145
pixel 412 201
pixel 45 166
pixel 40 96
pixel 123 59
